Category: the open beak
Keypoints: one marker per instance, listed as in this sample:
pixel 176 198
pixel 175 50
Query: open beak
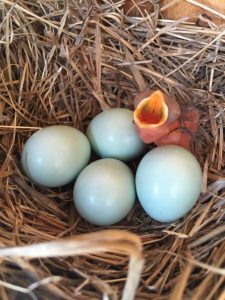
pixel 151 111
pixel 155 115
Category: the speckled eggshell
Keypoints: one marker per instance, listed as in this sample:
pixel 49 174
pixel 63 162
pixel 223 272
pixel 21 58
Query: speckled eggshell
pixel 112 134
pixel 55 155
pixel 168 182
pixel 104 192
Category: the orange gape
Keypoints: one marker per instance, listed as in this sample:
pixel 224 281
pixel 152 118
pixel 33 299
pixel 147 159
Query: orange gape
pixel 179 10
pixel 155 115
pixel 158 120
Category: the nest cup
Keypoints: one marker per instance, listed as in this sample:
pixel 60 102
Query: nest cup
pixel 63 62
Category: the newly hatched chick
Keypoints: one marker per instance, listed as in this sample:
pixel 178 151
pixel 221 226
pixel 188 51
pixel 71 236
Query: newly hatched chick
pixel 158 119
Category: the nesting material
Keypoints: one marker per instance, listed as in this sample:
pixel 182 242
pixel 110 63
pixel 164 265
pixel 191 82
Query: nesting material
pixel 196 11
pixel 62 62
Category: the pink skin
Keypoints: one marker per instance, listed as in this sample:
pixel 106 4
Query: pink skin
pixel 177 129
pixel 150 135
pixel 176 137
pixel 190 121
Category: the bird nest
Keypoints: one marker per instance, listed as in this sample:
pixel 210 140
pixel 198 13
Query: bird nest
pixel 62 62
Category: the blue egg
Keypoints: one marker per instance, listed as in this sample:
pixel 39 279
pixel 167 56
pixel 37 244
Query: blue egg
pixel 55 155
pixel 104 192
pixel 168 182
pixel 112 134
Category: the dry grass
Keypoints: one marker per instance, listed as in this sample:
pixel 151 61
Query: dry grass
pixel 62 62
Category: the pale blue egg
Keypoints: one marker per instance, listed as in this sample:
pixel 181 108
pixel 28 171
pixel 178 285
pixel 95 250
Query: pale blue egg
pixel 112 134
pixel 104 192
pixel 55 155
pixel 168 182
